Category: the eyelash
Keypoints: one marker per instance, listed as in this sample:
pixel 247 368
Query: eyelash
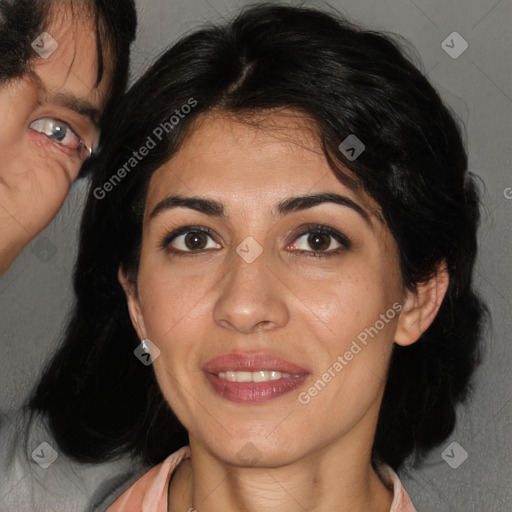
pixel 309 229
pixel 44 124
pixel 324 230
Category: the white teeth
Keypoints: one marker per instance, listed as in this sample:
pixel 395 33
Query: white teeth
pixel 261 376
pixel 243 376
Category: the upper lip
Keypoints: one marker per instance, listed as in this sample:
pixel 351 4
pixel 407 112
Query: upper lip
pixel 251 363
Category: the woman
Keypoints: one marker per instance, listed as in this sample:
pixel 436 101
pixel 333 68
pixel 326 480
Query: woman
pixel 286 205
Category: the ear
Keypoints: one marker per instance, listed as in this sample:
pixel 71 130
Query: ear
pixel 420 307
pixel 133 304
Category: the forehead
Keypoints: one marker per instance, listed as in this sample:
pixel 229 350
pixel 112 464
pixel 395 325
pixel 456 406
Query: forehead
pixel 267 155
pixel 69 57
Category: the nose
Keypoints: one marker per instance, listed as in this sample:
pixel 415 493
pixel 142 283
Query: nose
pixel 251 298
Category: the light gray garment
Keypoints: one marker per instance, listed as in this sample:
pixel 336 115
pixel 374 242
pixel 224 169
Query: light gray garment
pixel 26 486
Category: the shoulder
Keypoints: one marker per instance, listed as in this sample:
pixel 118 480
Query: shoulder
pixel 35 474
pixel 401 500
pixel 149 492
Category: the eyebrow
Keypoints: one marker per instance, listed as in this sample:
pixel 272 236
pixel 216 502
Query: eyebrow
pixel 68 100
pixel 81 107
pixel 215 208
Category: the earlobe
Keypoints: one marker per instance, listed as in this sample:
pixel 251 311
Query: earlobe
pixel 420 307
pixel 133 304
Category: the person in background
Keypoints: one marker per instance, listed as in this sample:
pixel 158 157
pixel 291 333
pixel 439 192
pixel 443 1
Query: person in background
pixel 63 66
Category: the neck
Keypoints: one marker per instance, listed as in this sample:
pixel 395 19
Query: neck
pixel 331 479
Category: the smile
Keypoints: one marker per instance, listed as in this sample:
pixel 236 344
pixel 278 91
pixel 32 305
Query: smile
pixel 252 378
pixel 258 376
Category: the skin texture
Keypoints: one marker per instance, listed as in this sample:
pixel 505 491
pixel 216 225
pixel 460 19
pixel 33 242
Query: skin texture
pixel 286 303
pixel 36 172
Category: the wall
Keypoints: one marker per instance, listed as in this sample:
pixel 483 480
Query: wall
pixel 35 294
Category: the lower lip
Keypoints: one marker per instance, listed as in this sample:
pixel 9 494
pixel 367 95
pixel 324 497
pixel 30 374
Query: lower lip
pixel 254 392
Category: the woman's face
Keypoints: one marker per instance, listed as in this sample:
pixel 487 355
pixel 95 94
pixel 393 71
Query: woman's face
pixel 256 259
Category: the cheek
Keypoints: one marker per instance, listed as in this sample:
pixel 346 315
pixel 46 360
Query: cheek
pixel 355 326
pixel 354 339
pixel 175 312
pixel 11 131
pixel 346 302
pixel 172 303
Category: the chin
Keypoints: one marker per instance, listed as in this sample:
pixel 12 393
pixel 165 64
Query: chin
pixel 256 451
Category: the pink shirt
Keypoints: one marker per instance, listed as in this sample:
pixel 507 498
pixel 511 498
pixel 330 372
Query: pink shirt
pixel 149 492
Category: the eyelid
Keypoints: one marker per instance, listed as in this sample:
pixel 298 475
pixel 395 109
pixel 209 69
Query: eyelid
pixel 170 237
pixel 320 228
pixel 82 142
pixel 82 146
pixel 343 240
pixel 89 149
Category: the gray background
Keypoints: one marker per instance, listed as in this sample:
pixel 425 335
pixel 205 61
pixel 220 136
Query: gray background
pixel 35 294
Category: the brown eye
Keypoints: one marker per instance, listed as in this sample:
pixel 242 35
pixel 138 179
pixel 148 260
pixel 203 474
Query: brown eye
pixel 189 239
pixel 196 240
pixel 319 241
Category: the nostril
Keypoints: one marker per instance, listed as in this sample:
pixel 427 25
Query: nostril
pixel 263 325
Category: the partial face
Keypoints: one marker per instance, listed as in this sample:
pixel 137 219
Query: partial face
pixel 254 293
pixel 49 118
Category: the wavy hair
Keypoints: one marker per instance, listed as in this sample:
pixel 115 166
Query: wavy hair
pixel 99 399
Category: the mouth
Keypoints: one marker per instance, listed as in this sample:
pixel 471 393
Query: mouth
pixel 258 376
pixel 253 378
